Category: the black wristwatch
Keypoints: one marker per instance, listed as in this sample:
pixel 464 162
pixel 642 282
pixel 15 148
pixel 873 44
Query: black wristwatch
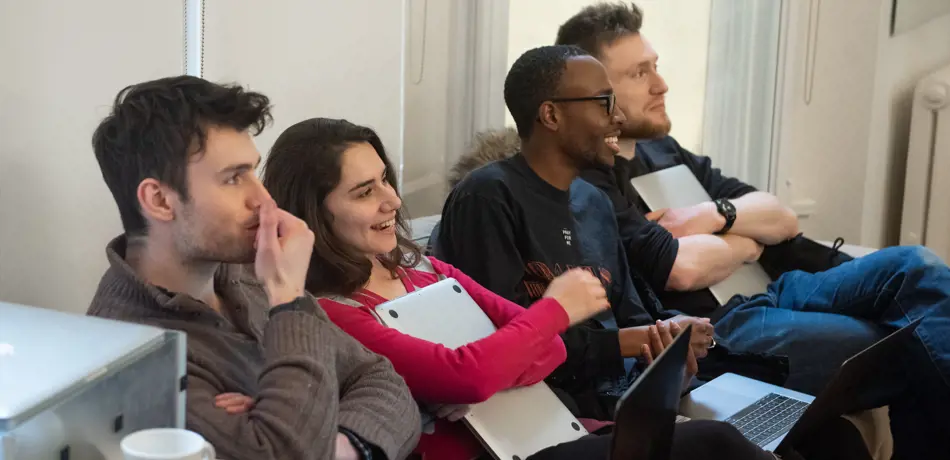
pixel 728 211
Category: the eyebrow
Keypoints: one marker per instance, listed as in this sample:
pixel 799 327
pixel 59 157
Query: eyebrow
pixel 369 181
pixel 363 184
pixel 241 167
pixel 649 62
pixel 645 63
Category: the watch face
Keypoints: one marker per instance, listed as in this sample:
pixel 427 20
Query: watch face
pixel 726 208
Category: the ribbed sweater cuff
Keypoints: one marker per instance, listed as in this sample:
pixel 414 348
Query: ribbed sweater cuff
pixel 292 331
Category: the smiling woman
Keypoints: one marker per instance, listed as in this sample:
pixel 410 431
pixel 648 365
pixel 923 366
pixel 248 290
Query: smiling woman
pixel 320 167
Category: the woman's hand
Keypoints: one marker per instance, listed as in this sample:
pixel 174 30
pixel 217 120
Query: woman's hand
pixel 450 412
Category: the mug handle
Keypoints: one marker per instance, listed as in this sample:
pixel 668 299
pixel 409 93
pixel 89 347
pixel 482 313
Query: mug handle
pixel 208 452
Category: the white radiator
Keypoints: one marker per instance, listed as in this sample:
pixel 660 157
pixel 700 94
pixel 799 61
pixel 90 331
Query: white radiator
pixel 926 213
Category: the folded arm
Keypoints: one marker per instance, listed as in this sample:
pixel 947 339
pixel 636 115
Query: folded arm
pixel 298 413
pixel 762 217
pixel 687 263
pixel 704 260
pixel 759 216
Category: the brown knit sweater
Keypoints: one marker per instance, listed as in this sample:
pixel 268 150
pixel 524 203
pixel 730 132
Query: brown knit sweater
pixel 309 378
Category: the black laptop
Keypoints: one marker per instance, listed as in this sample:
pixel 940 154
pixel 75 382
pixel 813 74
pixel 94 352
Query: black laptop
pixel 646 413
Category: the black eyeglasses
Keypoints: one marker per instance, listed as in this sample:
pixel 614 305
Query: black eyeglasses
pixel 609 99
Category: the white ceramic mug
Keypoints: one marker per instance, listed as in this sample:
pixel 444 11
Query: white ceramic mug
pixel 166 444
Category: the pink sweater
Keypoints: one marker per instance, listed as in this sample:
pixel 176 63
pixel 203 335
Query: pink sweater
pixel 524 350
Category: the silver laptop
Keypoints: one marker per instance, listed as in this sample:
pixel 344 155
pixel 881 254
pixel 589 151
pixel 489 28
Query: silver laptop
pixel 511 424
pixel 776 418
pixel 71 386
pixel 677 187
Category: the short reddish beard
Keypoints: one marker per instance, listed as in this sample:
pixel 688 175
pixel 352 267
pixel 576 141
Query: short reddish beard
pixel 645 129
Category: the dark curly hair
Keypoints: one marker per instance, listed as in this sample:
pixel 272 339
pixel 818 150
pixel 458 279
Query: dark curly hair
pixel 157 126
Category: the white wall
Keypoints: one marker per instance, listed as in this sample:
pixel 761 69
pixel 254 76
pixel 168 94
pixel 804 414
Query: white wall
pixel 678 30
pixel 825 130
pixel 456 60
pixel 63 63
pixel 428 60
pixel 843 143
pixel 902 60
pixel 313 59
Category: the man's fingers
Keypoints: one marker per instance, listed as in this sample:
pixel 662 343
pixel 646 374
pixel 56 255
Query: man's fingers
pixel 656 343
pixel 656 215
pixel 237 409
pixel 675 328
pixel 230 398
pixel 288 223
pixel 234 403
pixel 645 353
pixel 267 229
pixel 664 332
pixel 692 367
pixel 700 351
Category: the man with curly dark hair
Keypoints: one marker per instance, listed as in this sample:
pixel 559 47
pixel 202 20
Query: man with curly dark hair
pixel 179 157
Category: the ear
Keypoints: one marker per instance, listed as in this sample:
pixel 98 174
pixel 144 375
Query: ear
pixel 549 116
pixel 156 200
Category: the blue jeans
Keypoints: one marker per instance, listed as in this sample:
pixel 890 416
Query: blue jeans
pixel 819 320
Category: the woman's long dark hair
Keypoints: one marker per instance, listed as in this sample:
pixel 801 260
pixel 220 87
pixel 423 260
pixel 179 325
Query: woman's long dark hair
pixel 302 168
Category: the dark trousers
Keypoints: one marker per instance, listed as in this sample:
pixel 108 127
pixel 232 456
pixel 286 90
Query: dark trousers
pixel 693 440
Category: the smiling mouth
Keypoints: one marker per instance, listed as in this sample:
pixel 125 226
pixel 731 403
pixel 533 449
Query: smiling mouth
pixel 382 226
pixel 613 142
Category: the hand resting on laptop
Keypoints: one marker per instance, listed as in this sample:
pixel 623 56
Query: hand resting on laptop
pixel 661 337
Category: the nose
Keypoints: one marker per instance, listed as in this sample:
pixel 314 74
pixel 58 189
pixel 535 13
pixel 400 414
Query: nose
pixel 259 195
pixel 618 117
pixel 392 202
pixel 659 85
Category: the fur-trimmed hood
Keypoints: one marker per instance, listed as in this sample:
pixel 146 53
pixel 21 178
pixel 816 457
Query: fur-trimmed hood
pixel 487 147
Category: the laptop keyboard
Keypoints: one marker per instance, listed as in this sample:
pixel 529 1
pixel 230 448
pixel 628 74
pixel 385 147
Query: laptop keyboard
pixel 768 418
